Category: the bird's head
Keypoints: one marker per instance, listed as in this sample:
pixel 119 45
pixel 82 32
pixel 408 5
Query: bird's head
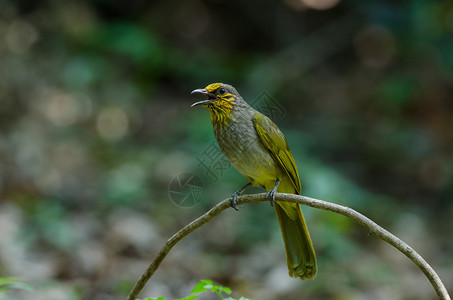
pixel 221 98
pixel 219 95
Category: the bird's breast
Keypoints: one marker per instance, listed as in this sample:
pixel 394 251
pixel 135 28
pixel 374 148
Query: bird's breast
pixel 244 149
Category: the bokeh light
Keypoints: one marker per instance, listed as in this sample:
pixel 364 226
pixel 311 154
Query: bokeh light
pixel 60 108
pixel 320 4
pixel 20 36
pixel 375 46
pixel 112 123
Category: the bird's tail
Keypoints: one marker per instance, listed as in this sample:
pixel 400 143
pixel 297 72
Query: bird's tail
pixel 300 255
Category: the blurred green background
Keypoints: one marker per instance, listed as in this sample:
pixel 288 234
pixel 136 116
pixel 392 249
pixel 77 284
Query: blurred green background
pixel 95 122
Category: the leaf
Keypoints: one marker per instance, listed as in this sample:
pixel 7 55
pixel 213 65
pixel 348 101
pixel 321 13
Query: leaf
pixel 189 297
pixel 8 280
pixel 202 286
pixel 220 289
pixel 225 289
pixel 14 283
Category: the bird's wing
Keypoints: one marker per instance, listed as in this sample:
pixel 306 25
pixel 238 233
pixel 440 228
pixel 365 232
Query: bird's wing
pixel 274 140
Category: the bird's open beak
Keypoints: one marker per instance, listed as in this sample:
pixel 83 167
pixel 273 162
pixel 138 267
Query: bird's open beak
pixel 211 97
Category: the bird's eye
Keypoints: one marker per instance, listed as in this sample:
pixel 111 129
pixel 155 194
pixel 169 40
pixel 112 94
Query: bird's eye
pixel 221 91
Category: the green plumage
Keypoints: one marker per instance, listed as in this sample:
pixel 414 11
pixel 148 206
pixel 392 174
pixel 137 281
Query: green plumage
pixel 259 151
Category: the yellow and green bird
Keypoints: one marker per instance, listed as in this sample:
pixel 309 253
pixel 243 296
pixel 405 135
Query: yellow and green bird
pixel 258 150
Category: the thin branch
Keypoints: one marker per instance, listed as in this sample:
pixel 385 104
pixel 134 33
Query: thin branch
pixel 371 226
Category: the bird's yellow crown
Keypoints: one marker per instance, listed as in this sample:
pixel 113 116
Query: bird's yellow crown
pixel 212 87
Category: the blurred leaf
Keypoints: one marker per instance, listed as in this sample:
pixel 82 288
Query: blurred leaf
pixel 202 286
pixel 125 184
pixel 8 283
pixel 49 221
pixel 220 289
pixel 398 90
pixel 133 41
pixel 189 297
pixel 84 70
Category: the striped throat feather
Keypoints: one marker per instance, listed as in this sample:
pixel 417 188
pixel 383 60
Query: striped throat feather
pixel 221 110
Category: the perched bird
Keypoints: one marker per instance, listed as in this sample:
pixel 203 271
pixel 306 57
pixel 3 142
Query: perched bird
pixel 258 150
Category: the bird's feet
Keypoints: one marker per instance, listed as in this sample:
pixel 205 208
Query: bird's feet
pixel 271 196
pixel 233 200
pixel 234 197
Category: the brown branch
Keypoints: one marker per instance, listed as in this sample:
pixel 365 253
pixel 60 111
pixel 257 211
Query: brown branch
pixel 371 226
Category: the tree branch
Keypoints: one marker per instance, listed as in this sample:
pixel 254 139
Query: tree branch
pixel 371 226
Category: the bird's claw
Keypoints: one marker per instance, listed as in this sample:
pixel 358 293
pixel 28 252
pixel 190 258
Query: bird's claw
pixel 233 200
pixel 271 196
pixel 234 197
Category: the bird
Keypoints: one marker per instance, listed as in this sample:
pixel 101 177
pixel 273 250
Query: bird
pixel 257 148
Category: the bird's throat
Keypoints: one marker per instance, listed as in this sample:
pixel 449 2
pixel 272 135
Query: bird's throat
pixel 220 115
